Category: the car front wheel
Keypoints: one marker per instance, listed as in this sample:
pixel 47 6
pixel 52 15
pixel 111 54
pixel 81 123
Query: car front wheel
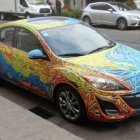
pixel 2 16
pixel 70 104
pixel 27 16
pixel 87 20
pixel 122 24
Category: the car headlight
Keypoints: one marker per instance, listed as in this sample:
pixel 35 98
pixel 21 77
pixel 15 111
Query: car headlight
pixel 105 84
pixel 134 17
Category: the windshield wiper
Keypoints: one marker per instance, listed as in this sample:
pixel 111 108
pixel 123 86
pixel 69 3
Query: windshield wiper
pixel 72 54
pixel 101 48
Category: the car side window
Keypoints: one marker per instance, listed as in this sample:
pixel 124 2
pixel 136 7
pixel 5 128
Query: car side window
pixel 26 41
pixel 23 3
pixel 7 35
pixel 101 7
pixel 97 6
pixel 106 7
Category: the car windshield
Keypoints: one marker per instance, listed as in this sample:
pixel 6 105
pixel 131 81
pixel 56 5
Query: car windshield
pixel 36 1
pixel 75 40
pixel 121 7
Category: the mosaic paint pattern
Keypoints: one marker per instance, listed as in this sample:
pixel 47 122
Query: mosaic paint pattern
pixel 41 77
pixel 120 61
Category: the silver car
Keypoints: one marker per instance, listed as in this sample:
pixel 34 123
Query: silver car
pixel 111 13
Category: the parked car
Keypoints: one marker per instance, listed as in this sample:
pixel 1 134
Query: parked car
pixel 111 13
pixel 24 8
pixel 69 62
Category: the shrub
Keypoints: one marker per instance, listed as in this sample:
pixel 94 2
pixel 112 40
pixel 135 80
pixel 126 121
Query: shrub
pixel 74 13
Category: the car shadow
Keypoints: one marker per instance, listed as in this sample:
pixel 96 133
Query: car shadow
pixel 90 130
pixel 23 97
pixel 104 126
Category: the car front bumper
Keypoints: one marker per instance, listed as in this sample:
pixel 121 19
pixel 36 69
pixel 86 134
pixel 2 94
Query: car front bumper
pixel 112 108
pixel 40 14
pixel 133 22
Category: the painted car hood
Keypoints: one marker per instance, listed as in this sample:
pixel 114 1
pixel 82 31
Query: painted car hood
pixel 121 61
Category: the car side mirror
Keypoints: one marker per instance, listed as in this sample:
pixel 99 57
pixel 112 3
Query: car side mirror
pixel 37 54
pixel 110 10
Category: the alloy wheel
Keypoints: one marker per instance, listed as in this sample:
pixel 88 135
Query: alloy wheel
pixel 122 24
pixel 69 105
pixel 87 20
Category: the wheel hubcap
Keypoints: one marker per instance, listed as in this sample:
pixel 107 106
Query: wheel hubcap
pixel 121 24
pixel 69 105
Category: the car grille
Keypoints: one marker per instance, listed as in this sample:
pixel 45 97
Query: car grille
pixel 132 100
pixel 107 107
pixel 45 10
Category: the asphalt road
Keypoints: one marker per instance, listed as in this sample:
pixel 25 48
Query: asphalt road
pixel 130 37
pixel 125 130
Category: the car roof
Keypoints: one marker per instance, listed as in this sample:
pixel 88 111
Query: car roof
pixel 106 2
pixel 111 2
pixel 41 23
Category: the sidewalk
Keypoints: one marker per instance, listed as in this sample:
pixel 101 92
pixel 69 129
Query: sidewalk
pixel 17 123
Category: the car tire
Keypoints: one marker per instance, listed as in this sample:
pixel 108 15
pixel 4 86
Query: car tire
pixel 71 105
pixel 2 82
pixel 27 16
pixel 87 20
pixel 122 24
pixel 2 16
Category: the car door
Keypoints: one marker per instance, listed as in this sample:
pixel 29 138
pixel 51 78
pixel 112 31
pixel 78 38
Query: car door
pixel 95 13
pixel 7 36
pixel 32 74
pixel 108 15
pixel 22 6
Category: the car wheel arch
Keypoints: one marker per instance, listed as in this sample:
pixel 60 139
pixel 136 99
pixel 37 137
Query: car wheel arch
pixel 86 16
pixel 121 17
pixel 27 14
pixel 60 85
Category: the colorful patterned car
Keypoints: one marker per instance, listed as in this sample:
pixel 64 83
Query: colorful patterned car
pixel 69 62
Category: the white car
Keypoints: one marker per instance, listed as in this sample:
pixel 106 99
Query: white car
pixel 24 8
pixel 111 13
